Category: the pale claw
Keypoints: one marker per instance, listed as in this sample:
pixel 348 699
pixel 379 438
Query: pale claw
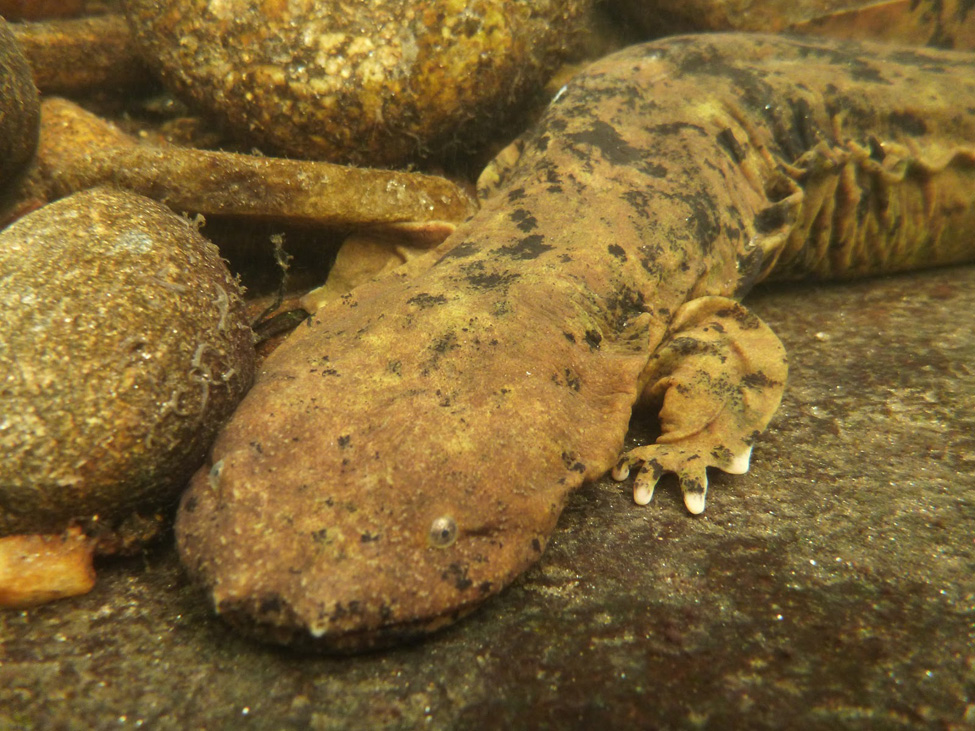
pixel 643 492
pixel 694 501
pixel 739 465
pixel 656 460
pixel 622 469
pixel 694 486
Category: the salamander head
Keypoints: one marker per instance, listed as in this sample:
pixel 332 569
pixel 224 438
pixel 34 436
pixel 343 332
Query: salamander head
pixel 357 565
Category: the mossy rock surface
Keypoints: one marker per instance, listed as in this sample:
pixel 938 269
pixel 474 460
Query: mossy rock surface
pixel 123 348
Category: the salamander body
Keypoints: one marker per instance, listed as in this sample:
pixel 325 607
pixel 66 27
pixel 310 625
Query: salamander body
pixel 406 453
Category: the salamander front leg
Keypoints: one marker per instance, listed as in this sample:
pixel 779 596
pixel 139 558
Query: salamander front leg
pixel 719 375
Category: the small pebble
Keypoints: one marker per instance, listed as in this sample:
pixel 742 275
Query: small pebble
pixel 376 83
pixel 19 111
pixel 37 569
pixel 123 347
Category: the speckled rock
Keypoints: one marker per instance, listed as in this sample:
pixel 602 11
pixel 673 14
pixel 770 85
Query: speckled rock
pixel 367 83
pixel 122 349
pixel 19 110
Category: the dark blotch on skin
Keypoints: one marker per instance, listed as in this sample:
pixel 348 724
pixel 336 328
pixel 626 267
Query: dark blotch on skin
pixel 477 277
pixel 444 343
pixel 772 218
pixel 726 139
pixel 749 270
pixel 530 247
pixel 618 251
pixel 802 123
pixel 572 380
pixel 606 139
pixel 425 300
pixel 639 201
pixel 526 222
pixel 457 575
pixel 674 128
pixel 757 380
pixel 573 464
pixel 462 251
pixel 704 216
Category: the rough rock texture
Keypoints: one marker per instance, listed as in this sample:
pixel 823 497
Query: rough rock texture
pixel 370 83
pixel 122 349
pixel 19 110
pixel 831 589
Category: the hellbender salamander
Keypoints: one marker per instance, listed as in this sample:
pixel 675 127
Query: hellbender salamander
pixel 406 454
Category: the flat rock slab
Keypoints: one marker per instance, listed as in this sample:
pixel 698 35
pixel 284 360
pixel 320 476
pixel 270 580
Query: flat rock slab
pixel 832 587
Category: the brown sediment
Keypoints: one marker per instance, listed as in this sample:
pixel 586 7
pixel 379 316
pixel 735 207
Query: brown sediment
pixel 79 150
pixel 83 54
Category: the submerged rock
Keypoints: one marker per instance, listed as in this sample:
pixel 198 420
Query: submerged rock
pixel 123 347
pixel 368 83
pixel 19 110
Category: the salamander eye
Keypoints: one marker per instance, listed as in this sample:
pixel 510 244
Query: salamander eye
pixel 443 532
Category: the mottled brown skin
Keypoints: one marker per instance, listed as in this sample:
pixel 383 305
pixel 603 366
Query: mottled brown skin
pixel 479 392
pixel 937 23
